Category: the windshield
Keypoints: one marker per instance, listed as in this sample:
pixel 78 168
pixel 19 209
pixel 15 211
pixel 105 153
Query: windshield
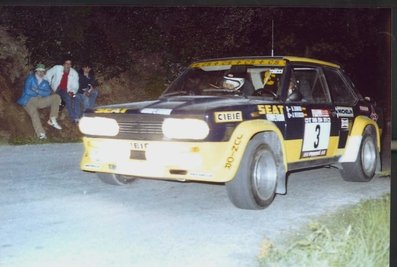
pixel 227 80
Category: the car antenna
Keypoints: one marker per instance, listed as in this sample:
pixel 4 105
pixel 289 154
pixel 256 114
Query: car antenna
pixel 272 38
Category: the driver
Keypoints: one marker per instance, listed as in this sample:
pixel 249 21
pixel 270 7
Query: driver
pixel 232 83
pixel 238 83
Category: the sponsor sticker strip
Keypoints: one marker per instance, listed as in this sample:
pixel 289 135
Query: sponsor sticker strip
pixel 296 112
pixel 160 111
pixel 269 62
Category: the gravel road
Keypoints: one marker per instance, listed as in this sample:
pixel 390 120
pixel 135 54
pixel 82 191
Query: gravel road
pixel 53 214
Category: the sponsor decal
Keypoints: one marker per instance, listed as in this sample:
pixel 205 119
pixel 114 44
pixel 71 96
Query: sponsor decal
pixel 344 112
pixel 296 112
pixel 111 110
pixel 317 120
pixel 276 71
pixel 228 116
pixel 273 112
pixel 344 123
pixel 316 153
pixel 235 148
pixel 201 174
pixel 270 62
pixel 160 111
pixel 92 165
pixel 320 113
pixel 364 108
pixel 138 146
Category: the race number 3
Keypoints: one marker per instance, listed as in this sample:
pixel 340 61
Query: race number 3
pixel 316 135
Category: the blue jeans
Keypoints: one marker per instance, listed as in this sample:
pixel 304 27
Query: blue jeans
pixel 88 102
pixel 70 103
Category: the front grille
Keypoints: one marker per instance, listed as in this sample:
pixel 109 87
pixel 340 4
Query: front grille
pixel 143 127
pixel 140 127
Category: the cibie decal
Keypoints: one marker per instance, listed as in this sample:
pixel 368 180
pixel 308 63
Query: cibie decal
pixel 296 112
pixel 273 112
pixel 344 112
pixel 320 113
pixel 228 116
pixel 160 111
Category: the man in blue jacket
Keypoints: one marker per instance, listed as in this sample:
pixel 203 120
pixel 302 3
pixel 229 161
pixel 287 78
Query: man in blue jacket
pixel 37 94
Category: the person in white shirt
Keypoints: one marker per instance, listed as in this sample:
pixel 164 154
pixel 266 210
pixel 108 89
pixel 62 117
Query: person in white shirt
pixel 64 80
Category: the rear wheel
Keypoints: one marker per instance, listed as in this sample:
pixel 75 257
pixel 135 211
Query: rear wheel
pixel 254 185
pixel 363 169
pixel 115 179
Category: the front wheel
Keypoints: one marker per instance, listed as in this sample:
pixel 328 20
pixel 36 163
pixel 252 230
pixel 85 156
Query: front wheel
pixel 363 169
pixel 254 185
pixel 115 179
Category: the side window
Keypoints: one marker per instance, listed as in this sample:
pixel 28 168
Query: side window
pixel 310 85
pixel 341 92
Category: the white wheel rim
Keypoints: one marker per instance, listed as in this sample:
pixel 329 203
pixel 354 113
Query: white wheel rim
pixel 264 175
pixel 368 157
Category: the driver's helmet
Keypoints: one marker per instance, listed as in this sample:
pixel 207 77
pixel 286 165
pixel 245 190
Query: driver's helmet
pixel 230 81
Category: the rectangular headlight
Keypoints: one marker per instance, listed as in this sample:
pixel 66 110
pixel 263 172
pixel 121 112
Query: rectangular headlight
pixel 99 126
pixel 185 128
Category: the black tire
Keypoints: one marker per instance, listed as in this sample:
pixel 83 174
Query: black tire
pixel 363 169
pixel 115 179
pixel 254 185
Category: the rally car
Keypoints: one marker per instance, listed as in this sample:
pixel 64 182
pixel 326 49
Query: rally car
pixel 245 122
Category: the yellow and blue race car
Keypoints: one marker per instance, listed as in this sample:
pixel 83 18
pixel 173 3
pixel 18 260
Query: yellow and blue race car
pixel 245 122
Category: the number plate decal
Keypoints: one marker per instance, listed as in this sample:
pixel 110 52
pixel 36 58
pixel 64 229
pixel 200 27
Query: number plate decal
pixel 316 137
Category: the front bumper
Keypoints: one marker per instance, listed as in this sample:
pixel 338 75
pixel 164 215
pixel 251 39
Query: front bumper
pixel 196 161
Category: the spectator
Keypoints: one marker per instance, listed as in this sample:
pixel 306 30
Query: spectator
pixel 64 80
pixel 88 90
pixel 37 95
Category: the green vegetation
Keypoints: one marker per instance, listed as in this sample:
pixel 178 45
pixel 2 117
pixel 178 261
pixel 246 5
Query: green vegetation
pixel 357 236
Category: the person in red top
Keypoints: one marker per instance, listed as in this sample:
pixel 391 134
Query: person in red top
pixel 64 80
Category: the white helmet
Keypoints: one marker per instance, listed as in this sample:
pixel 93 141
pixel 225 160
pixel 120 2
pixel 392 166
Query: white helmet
pixel 233 82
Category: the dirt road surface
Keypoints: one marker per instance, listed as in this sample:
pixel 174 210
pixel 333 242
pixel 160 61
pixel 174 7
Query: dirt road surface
pixel 53 214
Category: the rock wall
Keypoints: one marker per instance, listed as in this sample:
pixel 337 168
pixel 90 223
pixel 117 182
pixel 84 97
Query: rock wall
pixel 13 69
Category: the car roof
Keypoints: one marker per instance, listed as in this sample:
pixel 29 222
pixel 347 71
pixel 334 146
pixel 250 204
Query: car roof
pixel 261 60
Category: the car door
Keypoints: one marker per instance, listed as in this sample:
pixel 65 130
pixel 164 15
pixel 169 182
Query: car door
pixel 310 119
pixel 344 99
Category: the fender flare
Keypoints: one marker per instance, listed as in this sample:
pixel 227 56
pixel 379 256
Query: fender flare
pixel 253 127
pixel 354 139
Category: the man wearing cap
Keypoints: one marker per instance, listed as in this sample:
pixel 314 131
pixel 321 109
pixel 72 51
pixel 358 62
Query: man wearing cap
pixel 37 95
pixel 64 80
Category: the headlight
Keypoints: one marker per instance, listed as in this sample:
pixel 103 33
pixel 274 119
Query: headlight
pixel 98 126
pixel 185 128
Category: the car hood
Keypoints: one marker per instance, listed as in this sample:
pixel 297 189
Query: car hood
pixel 178 105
